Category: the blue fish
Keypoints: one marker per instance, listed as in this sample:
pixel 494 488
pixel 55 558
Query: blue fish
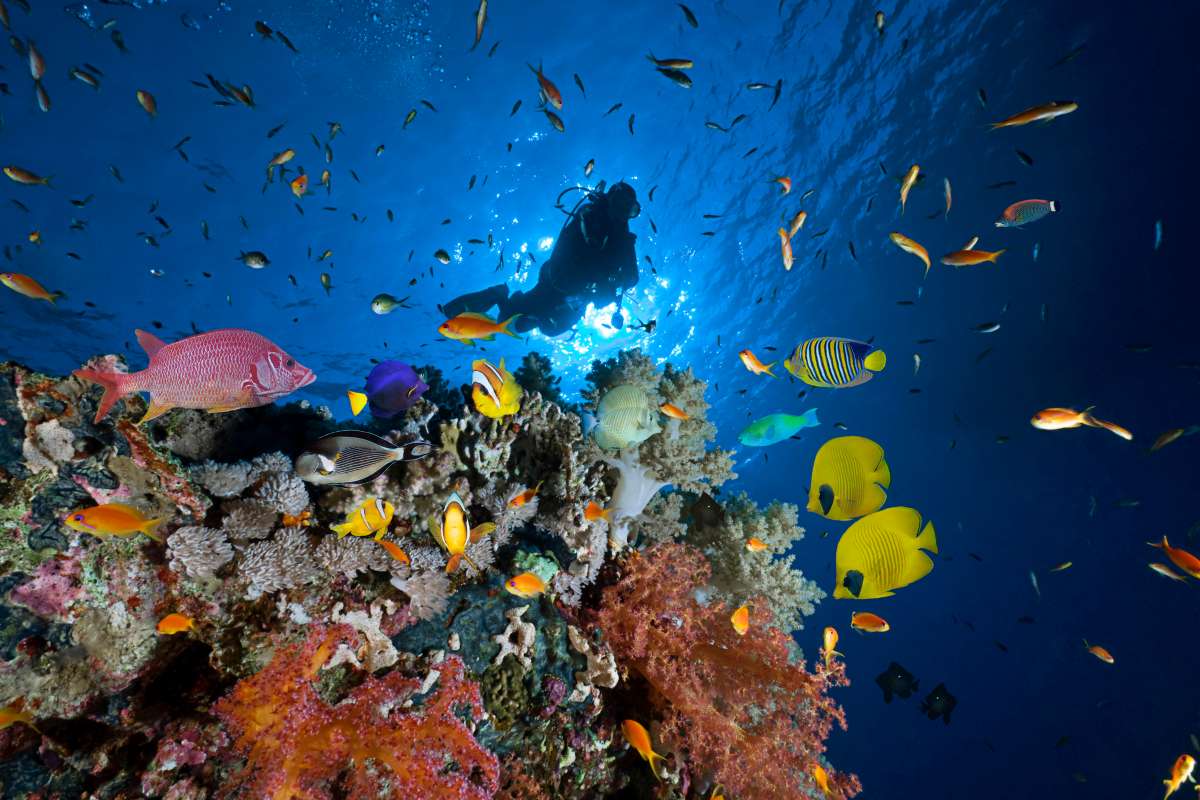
pixel 775 428
pixel 392 388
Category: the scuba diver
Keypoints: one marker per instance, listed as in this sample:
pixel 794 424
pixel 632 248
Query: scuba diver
pixel 593 261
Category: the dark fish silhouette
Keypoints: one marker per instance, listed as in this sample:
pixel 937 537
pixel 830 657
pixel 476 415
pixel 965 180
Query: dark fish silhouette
pixel 896 681
pixel 939 703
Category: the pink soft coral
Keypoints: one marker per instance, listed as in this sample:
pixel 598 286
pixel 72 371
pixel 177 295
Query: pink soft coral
pixel 298 746
pixel 734 707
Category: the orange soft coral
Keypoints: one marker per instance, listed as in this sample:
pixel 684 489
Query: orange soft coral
pixel 733 707
pixel 298 747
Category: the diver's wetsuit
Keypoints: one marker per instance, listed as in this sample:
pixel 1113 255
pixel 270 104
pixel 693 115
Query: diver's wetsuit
pixel 594 260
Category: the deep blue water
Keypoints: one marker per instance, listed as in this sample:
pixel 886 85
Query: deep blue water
pixel 851 100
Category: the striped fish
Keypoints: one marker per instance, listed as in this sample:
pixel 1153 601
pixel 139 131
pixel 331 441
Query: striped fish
pixel 494 390
pixel 372 517
pixel 352 457
pixel 829 362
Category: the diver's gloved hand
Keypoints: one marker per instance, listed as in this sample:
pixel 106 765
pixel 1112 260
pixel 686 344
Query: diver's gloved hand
pixel 618 320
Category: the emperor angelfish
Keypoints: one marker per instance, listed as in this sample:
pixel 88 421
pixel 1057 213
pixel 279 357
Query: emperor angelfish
pixel 352 457
pixel 828 362
pixel 624 417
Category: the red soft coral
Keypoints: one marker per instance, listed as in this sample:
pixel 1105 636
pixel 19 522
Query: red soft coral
pixel 299 746
pixel 734 707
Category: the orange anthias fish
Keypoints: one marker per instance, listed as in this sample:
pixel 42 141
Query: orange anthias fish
pixel 906 185
pixel 1166 439
pixel 910 246
pixel 821 778
pixel 299 185
pixel 175 623
pixel 25 177
pixel 673 411
pixel 786 183
pixel 639 738
pixel 868 622
pixel 830 640
pixel 521 498
pixel 754 365
pixel 785 250
pixel 741 620
pixel 1057 419
pixel 1180 558
pixel 550 92
pixel 1042 113
pixel 527 584
pixel 593 512
pixel 147 101
pixel 797 223
pixel 1099 652
pixel 469 326
pixel 970 258
pixel 1181 773
pixel 113 519
pixel 755 545
pixel 1167 572
pixel 395 551
pixel 23 284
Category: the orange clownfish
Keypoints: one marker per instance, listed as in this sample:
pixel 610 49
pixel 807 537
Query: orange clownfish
pixel 453 532
pixel 175 623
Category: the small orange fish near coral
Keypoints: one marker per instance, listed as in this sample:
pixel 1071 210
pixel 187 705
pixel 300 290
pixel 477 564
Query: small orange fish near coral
pixel 299 185
pixel 301 520
pixel 175 623
pixel 594 511
pixel 786 183
pixel 830 637
pixel 821 778
pixel 755 545
pixel 396 552
pixel 674 412
pixel 527 584
pixel 113 519
pixel 521 498
pixel 639 738
pixel 1099 652
pixel 741 620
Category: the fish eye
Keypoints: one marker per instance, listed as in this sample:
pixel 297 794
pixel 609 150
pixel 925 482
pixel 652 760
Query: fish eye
pixel 78 517
pixel 291 362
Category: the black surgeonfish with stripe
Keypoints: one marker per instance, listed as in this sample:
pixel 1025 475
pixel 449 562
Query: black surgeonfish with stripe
pixel 494 390
pixel 829 362
pixel 351 457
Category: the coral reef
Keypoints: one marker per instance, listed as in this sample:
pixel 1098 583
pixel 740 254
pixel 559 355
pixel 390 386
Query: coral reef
pixel 319 666
pixel 735 709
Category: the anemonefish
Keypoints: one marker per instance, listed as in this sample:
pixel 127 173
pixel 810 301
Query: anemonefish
pixel 494 391
pixel 372 517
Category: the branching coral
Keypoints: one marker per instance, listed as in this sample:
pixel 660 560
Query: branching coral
pixel 282 563
pixel 735 707
pixel 284 492
pixel 678 456
pixel 299 747
pixel 198 552
pixel 536 375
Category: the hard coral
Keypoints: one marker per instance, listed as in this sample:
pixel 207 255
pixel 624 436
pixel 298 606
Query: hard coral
pixel 298 746
pixel 735 707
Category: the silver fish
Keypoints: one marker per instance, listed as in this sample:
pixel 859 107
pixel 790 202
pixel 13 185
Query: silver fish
pixel 352 457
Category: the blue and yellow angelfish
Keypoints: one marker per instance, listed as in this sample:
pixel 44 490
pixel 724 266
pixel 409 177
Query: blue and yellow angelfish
pixel 829 362
pixel 494 390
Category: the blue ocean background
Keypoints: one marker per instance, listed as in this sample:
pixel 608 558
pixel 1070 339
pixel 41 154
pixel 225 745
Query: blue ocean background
pixel 1076 321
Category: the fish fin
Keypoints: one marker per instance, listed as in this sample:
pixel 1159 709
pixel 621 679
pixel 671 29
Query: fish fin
pixel 883 473
pixel 150 526
pixel 149 342
pixel 115 387
pixel 224 409
pixel 481 530
pixel 928 539
pixel 504 327
pixel 917 567
pixel 358 401
pixel 340 529
pixel 54 296
pixel 878 360
pixel 767 369
pixel 155 410
pixel 994 256
pixel 474 566
pixel 452 564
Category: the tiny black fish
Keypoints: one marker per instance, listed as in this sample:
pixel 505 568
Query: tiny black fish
pixel 1026 159
pixel 896 681
pixel 614 108
pixel 579 83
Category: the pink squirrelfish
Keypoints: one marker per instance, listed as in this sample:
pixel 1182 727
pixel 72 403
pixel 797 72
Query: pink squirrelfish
pixel 221 370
